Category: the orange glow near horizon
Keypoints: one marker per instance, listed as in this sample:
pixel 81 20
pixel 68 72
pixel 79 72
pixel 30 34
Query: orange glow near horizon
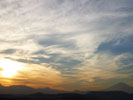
pixel 36 76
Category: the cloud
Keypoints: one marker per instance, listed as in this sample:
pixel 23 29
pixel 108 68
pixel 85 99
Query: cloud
pixel 119 46
pixel 35 75
pixel 100 66
pixel 9 51
pixel 41 75
pixel 68 34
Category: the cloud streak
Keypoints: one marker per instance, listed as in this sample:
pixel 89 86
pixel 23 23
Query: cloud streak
pixel 76 38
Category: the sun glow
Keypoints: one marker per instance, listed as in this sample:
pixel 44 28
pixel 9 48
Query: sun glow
pixel 9 68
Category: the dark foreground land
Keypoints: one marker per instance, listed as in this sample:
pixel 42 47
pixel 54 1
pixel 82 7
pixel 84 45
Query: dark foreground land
pixel 101 95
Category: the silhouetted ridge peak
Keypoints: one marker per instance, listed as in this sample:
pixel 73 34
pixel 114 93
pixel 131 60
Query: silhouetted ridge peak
pixel 120 85
pixel 1 85
pixel 20 86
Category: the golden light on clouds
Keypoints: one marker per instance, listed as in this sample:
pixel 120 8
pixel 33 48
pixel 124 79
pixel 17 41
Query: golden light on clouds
pixel 9 68
pixel 38 76
pixel 74 43
pixel 17 73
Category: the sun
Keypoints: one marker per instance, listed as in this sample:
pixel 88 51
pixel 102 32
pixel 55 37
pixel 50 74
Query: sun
pixel 9 68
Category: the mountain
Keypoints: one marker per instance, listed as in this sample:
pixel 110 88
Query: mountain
pixel 20 89
pixel 79 92
pixel 120 87
pixel 50 91
pixel 16 89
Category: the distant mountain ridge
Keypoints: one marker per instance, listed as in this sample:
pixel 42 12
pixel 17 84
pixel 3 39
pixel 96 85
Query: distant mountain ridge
pixel 120 87
pixel 21 89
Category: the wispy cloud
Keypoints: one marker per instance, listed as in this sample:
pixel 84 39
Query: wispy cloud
pixel 76 38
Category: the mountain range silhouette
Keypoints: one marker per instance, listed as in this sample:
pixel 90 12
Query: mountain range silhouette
pixel 21 89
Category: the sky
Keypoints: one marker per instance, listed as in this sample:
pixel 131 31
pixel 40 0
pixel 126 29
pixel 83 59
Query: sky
pixel 66 44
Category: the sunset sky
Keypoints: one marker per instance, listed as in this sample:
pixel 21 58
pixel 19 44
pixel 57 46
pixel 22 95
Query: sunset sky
pixel 66 44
